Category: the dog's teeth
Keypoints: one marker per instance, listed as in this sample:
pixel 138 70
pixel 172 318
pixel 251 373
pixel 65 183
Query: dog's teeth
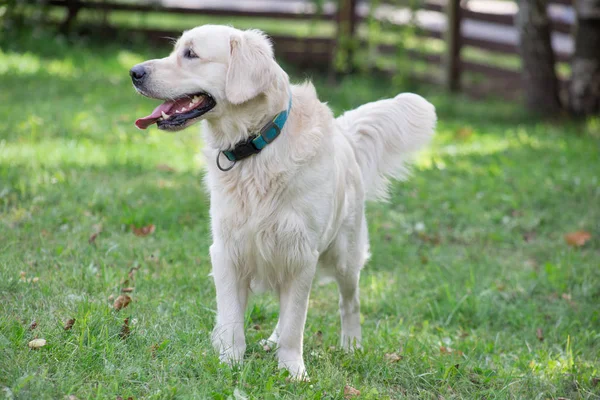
pixel 164 115
pixel 195 99
pixel 184 109
pixel 160 119
pixel 190 105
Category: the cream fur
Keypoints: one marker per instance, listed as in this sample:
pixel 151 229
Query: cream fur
pixel 296 208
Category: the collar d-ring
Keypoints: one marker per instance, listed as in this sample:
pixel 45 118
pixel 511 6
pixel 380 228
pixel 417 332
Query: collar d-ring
pixel 219 164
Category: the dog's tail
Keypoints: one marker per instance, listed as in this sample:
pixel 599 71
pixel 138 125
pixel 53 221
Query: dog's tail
pixel 385 135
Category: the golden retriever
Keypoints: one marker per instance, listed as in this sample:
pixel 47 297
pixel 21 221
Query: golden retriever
pixel 292 206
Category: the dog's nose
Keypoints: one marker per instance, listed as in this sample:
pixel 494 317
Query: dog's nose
pixel 137 73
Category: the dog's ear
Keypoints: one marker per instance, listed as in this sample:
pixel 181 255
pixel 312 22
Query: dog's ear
pixel 251 66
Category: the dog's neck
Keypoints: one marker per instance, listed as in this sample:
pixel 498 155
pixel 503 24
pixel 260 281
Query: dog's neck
pixel 239 122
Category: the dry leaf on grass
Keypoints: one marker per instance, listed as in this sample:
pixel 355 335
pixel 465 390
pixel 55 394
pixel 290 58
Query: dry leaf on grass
pixel 577 239
pixel 93 237
pixel 319 338
pixel 69 324
pixel 37 343
pixel 350 392
pixel 529 237
pixel 33 325
pixel 121 302
pixel 449 350
pixel 595 381
pixel 165 168
pixel 539 334
pixel 144 230
pixel 127 289
pixel 393 357
pixel 132 271
pixel 125 331
pixel 464 133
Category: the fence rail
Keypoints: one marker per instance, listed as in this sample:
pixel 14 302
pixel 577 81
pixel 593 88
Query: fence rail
pixel 431 20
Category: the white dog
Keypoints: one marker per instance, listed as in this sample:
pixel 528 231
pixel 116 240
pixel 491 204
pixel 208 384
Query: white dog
pixel 287 181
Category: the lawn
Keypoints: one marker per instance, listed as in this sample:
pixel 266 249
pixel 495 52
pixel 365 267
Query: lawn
pixel 472 290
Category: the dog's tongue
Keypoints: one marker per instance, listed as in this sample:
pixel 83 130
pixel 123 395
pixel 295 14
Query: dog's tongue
pixel 165 107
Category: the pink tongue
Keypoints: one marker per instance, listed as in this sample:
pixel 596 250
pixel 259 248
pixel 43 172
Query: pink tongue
pixel 165 107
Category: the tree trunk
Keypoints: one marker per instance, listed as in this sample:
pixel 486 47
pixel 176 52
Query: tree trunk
pixel 584 92
pixel 537 58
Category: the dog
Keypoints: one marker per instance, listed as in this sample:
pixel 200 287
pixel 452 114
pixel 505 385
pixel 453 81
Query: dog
pixel 288 181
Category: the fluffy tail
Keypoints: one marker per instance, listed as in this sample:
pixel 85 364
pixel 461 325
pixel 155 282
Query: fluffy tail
pixel 385 135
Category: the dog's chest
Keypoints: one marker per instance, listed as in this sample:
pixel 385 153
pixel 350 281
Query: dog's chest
pixel 266 237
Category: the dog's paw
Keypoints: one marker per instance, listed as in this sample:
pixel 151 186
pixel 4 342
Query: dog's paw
pixel 232 356
pixel 293 362
pixel 350 344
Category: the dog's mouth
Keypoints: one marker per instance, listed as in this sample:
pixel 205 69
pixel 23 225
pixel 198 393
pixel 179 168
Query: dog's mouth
pixel 175 114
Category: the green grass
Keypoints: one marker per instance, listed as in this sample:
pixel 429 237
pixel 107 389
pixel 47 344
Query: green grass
pixel 451 266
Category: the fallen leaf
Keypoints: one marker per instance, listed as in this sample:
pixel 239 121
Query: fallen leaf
pixel 319 338
pixel 37 343
pixel 33 325
pixel 125 331
pixel 448 350
pixel 256 327
pixel 393 357
pixel 35 280
pixel 539 334
pixel 528 237
pixel 93 237
pixel 121 302
pixel 350 392
pixel 132 271
pixel 69 324
pixel 23 275
pixel 127 289
pixel 595 381
pixel 144 230
pixel 577 239
pixel 165 168
pixel 266 348
pixel 464 133
pixel 111 297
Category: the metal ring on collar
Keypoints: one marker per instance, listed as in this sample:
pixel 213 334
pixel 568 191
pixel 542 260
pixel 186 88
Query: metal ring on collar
pixel 219 164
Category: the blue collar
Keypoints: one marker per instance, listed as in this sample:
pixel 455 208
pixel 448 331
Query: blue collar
pixel 255 144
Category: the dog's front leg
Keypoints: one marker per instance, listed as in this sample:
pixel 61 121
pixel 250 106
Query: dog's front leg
pixel 293 299
pixel 232 295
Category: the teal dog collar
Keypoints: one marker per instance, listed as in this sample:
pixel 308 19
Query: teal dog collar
pixel 254 145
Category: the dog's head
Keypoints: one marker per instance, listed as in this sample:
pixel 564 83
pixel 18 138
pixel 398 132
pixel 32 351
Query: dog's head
pixel 211 69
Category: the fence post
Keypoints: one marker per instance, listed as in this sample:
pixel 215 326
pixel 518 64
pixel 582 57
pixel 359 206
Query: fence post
pixel 453 43
pixel 346 29
pixel 73 7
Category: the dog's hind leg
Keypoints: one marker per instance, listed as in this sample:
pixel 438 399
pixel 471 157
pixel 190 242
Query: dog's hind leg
pixel 273 340
pixel 350 255
pixel 350 308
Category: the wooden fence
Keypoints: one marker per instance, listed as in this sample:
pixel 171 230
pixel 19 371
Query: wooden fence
pixel 472 40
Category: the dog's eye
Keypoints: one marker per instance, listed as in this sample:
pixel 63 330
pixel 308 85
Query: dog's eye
pixel 189 53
